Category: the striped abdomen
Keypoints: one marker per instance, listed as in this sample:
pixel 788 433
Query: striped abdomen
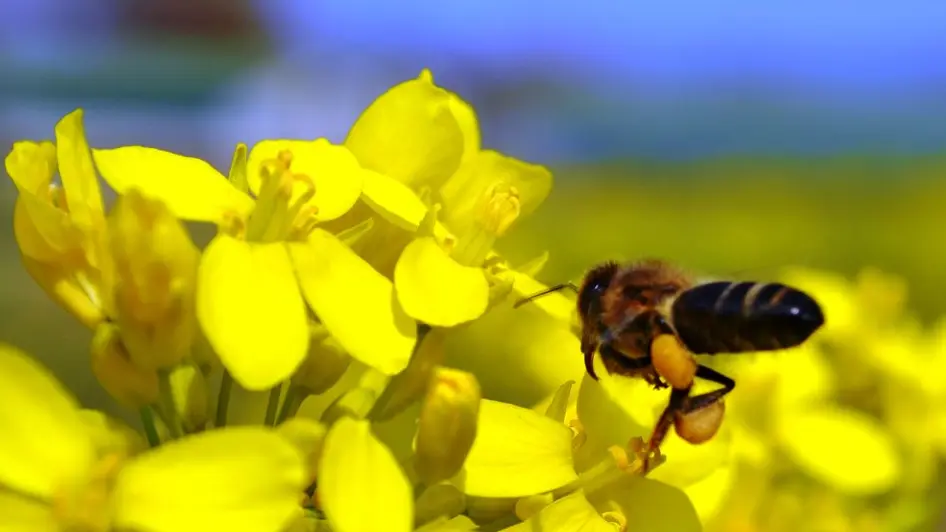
pixel 733 317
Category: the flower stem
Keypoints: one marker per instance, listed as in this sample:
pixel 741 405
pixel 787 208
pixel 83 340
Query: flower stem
pixel 291 404
pixel 166 399
pixel 273 405
pixel 147 420
pixel 223 399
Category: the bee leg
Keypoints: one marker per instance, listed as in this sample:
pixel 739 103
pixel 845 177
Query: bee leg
pixel 705 399
pixel 678 398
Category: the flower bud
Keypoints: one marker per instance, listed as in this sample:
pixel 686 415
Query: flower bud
pixel 409 385
pixel 190 397
pixel 447 425
pixel 154 278
pixel 700 425
pixel 129 384
pixel 325 362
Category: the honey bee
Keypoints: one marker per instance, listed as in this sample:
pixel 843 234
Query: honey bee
pixel 628 312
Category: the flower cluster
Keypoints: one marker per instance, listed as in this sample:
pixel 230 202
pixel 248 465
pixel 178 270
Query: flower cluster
pixel 846 432
pixel 338 279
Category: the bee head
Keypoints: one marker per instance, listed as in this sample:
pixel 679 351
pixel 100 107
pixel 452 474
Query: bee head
pixel 596 282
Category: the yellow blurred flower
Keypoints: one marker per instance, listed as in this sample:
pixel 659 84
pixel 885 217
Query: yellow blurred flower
pixel 60 474
pixel 268 255
pixel 60 228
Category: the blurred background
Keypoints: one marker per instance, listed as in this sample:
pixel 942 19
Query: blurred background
pixel 734 137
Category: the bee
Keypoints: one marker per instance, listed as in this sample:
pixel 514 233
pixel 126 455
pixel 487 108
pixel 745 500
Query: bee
pixel 629 311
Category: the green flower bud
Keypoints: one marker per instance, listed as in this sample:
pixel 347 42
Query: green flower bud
pixel 447 425
pixel 190 397
pixel 324 364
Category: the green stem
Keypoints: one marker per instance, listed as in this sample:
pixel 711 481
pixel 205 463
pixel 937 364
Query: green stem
pixel 151 432
pixel 291 404
pixel 166 399
pixel 273 405
pixel 223 399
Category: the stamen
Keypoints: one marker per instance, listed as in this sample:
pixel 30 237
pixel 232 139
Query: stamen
pixel 502 208
pixel 579 435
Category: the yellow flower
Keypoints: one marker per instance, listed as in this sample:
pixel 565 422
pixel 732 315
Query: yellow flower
pixel 520 454
pixel 61 474
pixel 60 228
pixel 422 143
pixel 268 254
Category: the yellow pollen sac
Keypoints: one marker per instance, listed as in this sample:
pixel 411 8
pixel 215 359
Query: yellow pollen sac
pixel 501 208
pixel 616 519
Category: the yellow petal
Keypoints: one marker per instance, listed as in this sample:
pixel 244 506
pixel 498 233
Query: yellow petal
pixel 649 505
pixel 572 513
pixel 190 187
pixel 335 171
pixel 60 284
pixel 410 133
pixel 393 201
pixel 517 452
pixel 43 232
pixel 45 442
pixel 354 302
pixel 556 304
pixel 465 194
pixel 709 494
pixel 239 479
pixel 361 487
pixel 20 514
pixel 465 115
pixel 31 165
pixel 77 172
pixel 522 353
pixel 842 448
pixel 435 289
pixel 249 306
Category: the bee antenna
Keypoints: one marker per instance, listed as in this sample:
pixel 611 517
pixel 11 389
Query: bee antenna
pixel 557 288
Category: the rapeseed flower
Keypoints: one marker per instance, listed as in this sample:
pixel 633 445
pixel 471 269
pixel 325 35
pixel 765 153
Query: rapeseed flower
pixel 59 472
pixel 540 464
pixel 268 258
pixel 60 227
pixel 445 198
